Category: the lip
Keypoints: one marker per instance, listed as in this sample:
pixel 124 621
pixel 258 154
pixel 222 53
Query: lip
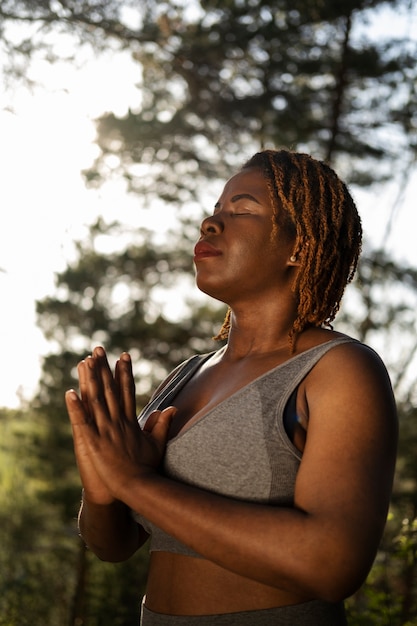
pixel 203 250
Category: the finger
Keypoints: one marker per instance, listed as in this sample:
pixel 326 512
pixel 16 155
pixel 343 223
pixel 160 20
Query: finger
pixel 151 421
pixel 160 422
pixel 84 434
pixel 96 397
pixel 117 378
pixel 126 386
pixel 106 382
pixel 90 384
pixel 82 377
pixel 76 410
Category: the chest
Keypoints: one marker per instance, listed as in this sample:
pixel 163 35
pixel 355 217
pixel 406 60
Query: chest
pixel 212 385
pixel 239 448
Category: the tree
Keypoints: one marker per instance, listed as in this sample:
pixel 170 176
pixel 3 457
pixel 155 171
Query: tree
pixel 37 557
pixel 219 76
pixel 108 299
pixel 218 81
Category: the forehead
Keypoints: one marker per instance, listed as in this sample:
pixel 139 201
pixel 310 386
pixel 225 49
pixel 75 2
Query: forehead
pixel 248 181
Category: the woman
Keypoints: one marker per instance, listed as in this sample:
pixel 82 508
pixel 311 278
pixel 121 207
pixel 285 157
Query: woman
pixel 264 470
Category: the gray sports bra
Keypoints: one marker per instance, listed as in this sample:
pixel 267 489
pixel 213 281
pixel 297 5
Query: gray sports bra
pixel 240 448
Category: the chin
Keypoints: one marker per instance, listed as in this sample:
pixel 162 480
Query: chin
pixel 212 291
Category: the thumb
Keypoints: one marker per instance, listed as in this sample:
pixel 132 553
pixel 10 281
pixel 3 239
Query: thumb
pixel 158 424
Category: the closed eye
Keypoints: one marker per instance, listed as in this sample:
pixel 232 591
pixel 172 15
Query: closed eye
pixel 236 201
pixel 233 212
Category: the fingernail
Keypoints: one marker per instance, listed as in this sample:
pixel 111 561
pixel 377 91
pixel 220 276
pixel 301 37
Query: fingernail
pixel 125 356
pixel 99 351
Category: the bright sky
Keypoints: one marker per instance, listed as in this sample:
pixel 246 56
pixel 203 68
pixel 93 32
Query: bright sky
pixel 44 206
pixel 45 143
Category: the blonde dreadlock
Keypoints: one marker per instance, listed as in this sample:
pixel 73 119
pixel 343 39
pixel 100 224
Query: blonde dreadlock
pixel 312 205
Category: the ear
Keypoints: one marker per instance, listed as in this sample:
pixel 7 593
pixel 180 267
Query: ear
pixel 294 259
pixel 298 253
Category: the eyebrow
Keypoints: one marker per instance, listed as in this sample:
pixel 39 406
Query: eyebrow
pixel 240 196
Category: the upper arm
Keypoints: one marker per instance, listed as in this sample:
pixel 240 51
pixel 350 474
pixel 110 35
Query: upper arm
pixel 345 477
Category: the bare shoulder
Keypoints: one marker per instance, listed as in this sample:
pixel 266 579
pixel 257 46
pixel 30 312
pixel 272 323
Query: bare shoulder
pixel 352 381
pixel 352 414
pixel 352 365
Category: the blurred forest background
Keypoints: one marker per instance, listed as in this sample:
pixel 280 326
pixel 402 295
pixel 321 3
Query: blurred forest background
pixel 216 81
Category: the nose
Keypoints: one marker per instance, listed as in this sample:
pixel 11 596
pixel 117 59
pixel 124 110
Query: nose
pixel 212 225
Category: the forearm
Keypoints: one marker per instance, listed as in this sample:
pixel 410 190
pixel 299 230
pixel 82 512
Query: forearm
pixel 281 547
pixel 109 530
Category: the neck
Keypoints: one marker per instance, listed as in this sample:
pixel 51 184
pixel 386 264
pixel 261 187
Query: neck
pixel 257 333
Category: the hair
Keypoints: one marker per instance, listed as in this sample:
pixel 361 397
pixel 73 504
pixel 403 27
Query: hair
pixel 312 206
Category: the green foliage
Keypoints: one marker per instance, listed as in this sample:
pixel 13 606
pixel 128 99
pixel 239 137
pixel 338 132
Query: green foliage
pixel 47 577
pixel 107 593
pixel 214 78
pixel 36 551
pixel 380 309
pixel 109 299
pixel 389 595
pixel 250 75
pixel 218 80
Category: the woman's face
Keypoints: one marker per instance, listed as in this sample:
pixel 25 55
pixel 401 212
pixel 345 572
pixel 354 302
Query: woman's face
pixel 237 257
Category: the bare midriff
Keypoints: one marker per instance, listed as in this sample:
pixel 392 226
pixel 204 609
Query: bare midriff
pixel 183 585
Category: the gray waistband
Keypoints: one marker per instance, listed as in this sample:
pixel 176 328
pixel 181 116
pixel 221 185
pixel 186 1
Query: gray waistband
pixel 313 613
